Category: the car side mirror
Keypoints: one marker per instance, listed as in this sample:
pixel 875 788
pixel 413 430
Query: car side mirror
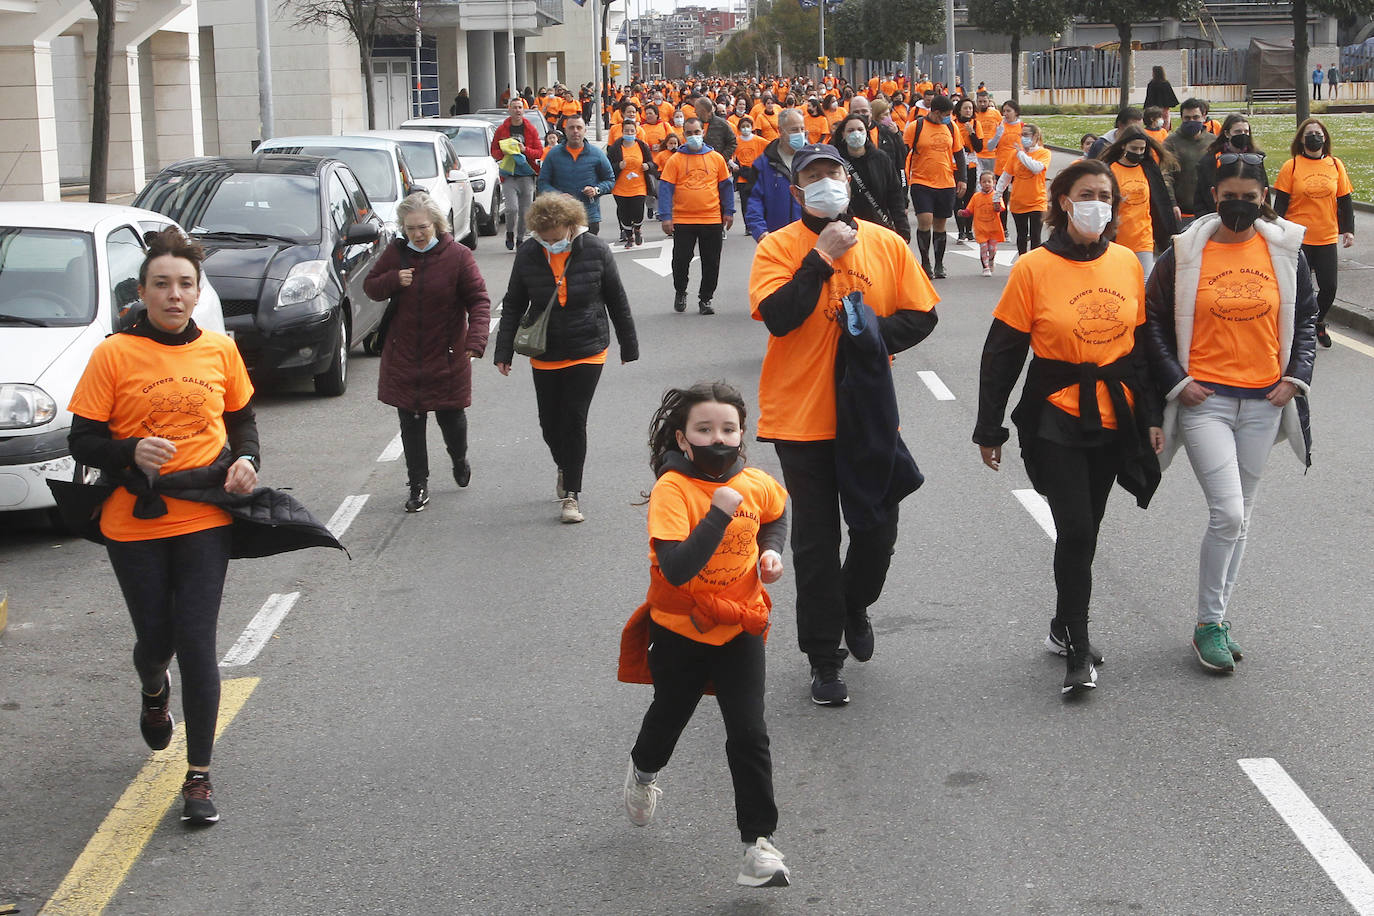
pixel 456 175
pixel 362 232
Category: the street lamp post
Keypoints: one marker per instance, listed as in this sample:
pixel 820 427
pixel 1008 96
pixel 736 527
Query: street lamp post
pixel 1054 46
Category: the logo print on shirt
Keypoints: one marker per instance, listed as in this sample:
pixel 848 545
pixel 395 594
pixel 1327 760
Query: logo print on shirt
pixel 1240 299
pixel 1097 321
pixel 698 179
pixel 1135 191
pixel 176 416
pixel 1318 187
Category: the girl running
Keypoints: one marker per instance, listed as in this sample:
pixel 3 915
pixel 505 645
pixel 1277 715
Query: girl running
pixel 984 215
pixel 716 534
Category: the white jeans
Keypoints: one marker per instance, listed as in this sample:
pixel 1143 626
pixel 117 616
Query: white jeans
pixel 1228 442
pixel 516 196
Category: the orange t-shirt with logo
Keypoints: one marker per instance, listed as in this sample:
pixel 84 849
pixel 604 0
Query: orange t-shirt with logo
pixel 987 222
pixel 797 383
pixel 678 503
pixel 1236 322
pixel 931 160
pixel 1027 187
pixel 696 178
pixel 1077 312
pixel 630 181
pixel 1134 227
pixel 142 388
pixel 1312 186
pixel 746 151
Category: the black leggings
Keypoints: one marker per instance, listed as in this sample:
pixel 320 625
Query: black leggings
pixel 1027 230
pixel 1075 482
pixel 965 223
pixel 630 212
pixel 452 423
pixel 708 237
pixel 681 667
pixel 1322 260
pixel 564 397
pixel 173 587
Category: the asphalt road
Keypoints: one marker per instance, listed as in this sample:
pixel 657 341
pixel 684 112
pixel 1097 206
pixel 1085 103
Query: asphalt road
pixel 437 727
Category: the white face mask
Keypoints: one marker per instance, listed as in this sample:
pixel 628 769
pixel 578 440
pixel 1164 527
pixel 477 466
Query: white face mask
pixel 1090 217
pixel 746 132
pixel 855 139
pixel 826 197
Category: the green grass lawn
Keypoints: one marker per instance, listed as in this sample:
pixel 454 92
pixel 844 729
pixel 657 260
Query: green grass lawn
pixel 1352 139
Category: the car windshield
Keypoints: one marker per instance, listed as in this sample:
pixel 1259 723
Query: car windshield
pixel 374 168
pixel 420 159
pixel 47 277
pixel 253 203
pixel 469 141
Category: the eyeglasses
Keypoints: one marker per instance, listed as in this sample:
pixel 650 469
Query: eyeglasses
pixel 1247 158
pixel 420 228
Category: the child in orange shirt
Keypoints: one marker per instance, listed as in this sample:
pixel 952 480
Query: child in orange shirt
pixel 985 210
pixel 716 534
pixel 671 142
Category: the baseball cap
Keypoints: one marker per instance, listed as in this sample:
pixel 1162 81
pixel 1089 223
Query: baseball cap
pixel 813 152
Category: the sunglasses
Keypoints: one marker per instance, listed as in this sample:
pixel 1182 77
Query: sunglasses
pixel 1247 158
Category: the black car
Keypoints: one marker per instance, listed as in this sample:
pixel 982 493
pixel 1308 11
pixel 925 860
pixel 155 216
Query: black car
pixel 289 241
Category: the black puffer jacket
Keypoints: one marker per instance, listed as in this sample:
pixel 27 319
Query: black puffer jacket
pixel 880 187
pixel 580 328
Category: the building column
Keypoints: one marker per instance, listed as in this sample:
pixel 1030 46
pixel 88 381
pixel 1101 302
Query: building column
pixel 522 75
pixel 28 129
pixel 176 96
pixel 482 69
pixel 126 172
pixel 501 53
pixel 452 50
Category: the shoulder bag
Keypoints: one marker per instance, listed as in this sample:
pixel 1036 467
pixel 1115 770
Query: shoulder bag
pixel 532 339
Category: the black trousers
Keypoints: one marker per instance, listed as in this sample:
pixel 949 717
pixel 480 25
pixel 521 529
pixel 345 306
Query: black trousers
pixel 686 236
pixel 828 590
pixel 564 397
pixel 454 426
pixel 1027 230
pixel 681 667
pixel 1322 259
pixel 173 587
pixel 1075 482
pixel 965 224
pixel 744 192
pixel 630 212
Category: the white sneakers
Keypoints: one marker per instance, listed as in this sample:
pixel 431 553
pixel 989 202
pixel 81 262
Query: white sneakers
pixel 987 271
pixel 640 798
pixel 763 866
pixel 571 514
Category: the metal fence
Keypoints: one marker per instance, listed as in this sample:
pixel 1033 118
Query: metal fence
pixel 1216 67
pixel 1357 63
pixel 934 66
pixel 1073 68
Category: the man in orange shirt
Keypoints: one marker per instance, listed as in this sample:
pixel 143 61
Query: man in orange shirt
pixel 696 204
pixel 801 274
pixel 935 175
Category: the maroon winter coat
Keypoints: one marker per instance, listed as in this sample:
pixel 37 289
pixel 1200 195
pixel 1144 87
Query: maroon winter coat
pixel 441 315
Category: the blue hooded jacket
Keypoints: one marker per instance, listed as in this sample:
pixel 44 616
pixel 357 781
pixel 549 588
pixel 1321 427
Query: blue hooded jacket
pixel 561 172
pixel 771 205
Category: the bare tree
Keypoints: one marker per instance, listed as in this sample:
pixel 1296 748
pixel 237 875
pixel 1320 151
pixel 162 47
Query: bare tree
pixel 100 114
pixel 364 19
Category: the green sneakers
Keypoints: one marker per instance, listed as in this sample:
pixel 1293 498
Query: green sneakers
pixel 1231 643
pixel 1209 642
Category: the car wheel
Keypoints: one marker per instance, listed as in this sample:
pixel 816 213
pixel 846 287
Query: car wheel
pixel 493 214
pixel 333 381
pixel 471 240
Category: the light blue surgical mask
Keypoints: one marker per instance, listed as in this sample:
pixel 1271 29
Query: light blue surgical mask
pixel 946 119
pixel 558 247
pixel 797 140
pixel 855 138
pixel 695 142
pixel 432 242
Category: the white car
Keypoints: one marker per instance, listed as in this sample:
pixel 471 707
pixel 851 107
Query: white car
pixel 471 139
pixel 435 166
pixel 68 274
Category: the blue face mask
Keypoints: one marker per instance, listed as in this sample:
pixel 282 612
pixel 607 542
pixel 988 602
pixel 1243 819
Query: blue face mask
pixel 432 242
pixel 946 119
pixel 797 140
pixel 695 142
pixel 558 247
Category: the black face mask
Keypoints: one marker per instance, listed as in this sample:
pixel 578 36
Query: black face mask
pixel 1240 142
pixel 1192 128
pixel 714 460
pixel 1135 158
pixel 1313 143
pixel 1238 215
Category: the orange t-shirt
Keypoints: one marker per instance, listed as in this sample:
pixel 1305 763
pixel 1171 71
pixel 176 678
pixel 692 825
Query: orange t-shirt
pixel 873 84
pixel 987 222
pixel 571 107
pixel 889 87
pixel 696 178
pixel 746 151
pixel 817 127
pixel 1134 227
pixel 142 388
pixel 1005 154
pixel 1236 323
pixel 678 503
pixel 1312 186
pixel 834 117
pixel 630 181
pixel 987 122
pixel 797 383
pixel 653 135
pixel 558 263
pixel 766 125
pixel 900 115
pixel 1160 135
pixel 931 160
pixel 1078 312
pixel 1028 188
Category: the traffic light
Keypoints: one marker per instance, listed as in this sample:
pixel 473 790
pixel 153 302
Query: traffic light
pixel 605 58
pixel 823 61
pixel 839 61
pixel 615 70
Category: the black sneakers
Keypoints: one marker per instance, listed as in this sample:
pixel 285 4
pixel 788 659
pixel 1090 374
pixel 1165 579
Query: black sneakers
pixel 939 272
pixel 419 498
pixel 510 241
pixel 1079 672
pixel 704 307
pixel 858 636
pixel 1323 336
pixel 197 809
pixel 462 475
pixel 1058 643
pixel 827 687
pixel 679 302
pixel 156 720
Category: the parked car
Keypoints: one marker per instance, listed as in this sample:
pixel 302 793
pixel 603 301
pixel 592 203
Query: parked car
pixel 436 167
pixel 289 241
pixel 471 139
pixel 68 277
pixel 497 115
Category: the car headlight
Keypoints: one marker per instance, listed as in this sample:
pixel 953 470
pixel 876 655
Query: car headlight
pixel 304 283
pixel 22 406
pixel 478 182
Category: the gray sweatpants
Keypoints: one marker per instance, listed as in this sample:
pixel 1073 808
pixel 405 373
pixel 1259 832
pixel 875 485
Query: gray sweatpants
pixel 517 195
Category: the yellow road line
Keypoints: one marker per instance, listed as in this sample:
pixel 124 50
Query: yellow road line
pixel 1356 345
pixel 120 839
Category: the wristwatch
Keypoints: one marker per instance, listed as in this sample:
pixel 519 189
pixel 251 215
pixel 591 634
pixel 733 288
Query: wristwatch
pixel 252 459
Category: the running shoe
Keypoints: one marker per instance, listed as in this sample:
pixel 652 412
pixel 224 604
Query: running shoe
pixel 510 241
pixel 858 636
pixel 571 514
pixel 1209 644
pixel 639 236
pixel 1058 642
pixel 197 809
pixel 1323 337
pixel 1231 643
pixel 987 271
pixel 156 720
pixel 679 302
pixel 827 687
pixel 641 798
pixel 939 272
pixel 1079 672
pixel 419 498
pixel 462 475
pixel 704 307
pixel 763 866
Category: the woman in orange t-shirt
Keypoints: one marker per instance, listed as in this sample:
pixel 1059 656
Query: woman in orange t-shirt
pixel 1074 302
pixel 164 398
pixel 1314 190
pixel 716 533
pixel 1026 177
pixel 749 148
pixel 633 163
pixel 1149 216
pixel 1232 338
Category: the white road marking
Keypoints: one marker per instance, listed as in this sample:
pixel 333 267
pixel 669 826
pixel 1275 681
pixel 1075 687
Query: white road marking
pixel 1352 343
pixel 259 630
pixel 663 263
pixel 1323 841
pixel 1004 256
pixel 392 450
pixel 937 387
pixel 1039 510
pixel 343 516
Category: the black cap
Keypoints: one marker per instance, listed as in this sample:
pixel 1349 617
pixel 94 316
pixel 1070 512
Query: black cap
pixel 811 153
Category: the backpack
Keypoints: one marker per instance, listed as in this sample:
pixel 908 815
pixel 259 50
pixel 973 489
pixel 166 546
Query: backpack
pixel 916 142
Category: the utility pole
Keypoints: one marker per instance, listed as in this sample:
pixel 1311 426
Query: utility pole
pixel 265 113
pixel 419 80
pixel 951 67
